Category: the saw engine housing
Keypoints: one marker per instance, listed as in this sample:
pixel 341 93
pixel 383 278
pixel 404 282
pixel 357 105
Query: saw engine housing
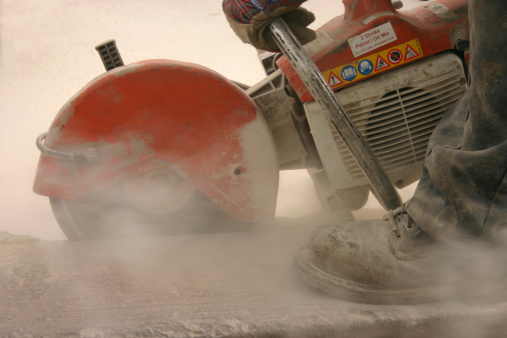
pixel 395 73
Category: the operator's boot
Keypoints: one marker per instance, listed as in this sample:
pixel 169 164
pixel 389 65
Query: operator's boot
pixel 392 261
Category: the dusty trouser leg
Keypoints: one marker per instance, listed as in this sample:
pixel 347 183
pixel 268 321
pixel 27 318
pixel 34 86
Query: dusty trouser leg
pixel 463 191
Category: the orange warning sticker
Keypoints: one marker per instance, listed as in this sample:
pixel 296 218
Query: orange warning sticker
pixel 373 64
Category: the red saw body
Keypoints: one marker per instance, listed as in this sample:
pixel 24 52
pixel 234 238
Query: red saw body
pixel 156 136
pixel 147 115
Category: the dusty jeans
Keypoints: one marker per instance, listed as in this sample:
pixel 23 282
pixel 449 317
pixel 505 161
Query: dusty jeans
pixel 463 190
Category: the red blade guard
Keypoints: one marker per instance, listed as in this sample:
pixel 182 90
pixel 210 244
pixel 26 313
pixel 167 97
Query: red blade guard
pixel 163 113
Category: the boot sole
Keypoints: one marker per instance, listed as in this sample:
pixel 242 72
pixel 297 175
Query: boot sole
pixel 357 292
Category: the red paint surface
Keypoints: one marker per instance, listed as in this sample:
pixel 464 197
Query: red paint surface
pixel 179 114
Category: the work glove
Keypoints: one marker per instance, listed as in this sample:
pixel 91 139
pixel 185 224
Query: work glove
pixel 250 18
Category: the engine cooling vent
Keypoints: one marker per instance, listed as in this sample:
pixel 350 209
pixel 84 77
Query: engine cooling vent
pixel 398 125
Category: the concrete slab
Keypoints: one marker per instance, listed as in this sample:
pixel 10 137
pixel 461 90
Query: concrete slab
pixel 216 285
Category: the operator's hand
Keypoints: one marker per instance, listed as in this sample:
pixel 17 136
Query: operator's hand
pixel 250 18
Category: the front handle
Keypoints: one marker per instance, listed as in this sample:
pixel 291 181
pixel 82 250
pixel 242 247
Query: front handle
pixel 316 84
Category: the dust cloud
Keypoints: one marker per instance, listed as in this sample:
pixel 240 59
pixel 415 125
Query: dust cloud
pixel 240 278
pixel 48 54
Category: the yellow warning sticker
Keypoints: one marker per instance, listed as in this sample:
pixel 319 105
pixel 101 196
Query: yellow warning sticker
pixel 373 64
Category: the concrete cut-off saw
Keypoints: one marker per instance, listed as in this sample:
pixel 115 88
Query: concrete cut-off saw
pixel 135 153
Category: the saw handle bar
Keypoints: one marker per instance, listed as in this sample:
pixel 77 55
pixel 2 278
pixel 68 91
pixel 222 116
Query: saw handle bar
pixel 316 84
pixel 88 155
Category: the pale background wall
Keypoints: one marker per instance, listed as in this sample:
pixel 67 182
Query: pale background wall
pixel 47 55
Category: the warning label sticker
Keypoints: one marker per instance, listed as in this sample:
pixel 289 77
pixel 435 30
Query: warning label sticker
pixel 372 39
pixel 373 64
pixel 334 80
pixel 410 53
pixel 381 63
pixel 394 56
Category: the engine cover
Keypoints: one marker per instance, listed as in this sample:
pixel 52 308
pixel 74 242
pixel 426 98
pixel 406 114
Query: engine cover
pixel 396 113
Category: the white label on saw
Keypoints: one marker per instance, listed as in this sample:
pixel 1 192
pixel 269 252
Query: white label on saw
pixel 372 39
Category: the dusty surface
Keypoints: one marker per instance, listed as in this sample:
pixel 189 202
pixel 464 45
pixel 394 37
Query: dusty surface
pixel 231 284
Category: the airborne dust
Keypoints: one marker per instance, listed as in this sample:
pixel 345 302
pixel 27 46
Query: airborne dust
pixel 185 284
